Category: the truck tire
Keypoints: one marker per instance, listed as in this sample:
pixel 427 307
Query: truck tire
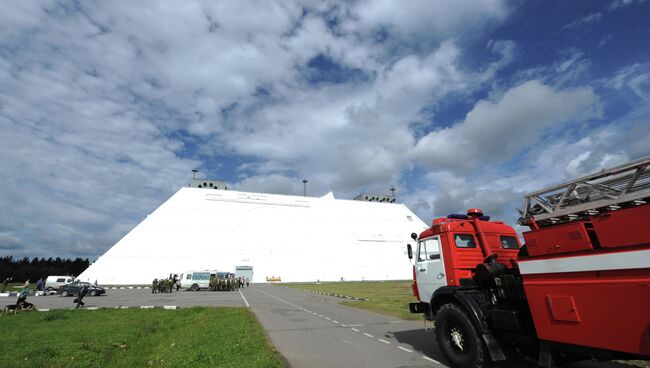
pixel 458 339
pixel 64 293
pixel 195 287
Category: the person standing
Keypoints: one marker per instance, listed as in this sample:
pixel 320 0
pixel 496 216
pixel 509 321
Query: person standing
pixel 22 297
pixel 40 285
pixel 82 293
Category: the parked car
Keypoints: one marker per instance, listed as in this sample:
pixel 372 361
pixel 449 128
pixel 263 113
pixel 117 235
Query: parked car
pixel 54 282
pixel 72 289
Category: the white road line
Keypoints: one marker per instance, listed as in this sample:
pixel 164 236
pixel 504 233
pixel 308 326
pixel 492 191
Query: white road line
pixel 43 310
pixel 354 329
pixel 92 308
pixel 244 299
pixel 384 341
pixel 146 306
pixel 282 300
pixel 344 325
pixel 429 359
pixel 405 349
pixel 169 307
pixel 355 325
pixel 320 315
pixel 337 322
pixel 327 318
pixel 367 334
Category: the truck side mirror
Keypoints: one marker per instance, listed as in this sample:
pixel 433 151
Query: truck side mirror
pixel 414 236
pixel 409 250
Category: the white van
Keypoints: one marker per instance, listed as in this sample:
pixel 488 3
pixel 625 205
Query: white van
pixel 195 280
pixel 53 282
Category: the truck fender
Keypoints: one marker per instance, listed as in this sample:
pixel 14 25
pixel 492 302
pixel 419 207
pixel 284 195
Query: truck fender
pixel 469 301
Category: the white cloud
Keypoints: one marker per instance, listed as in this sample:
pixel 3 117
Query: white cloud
pixel 634 78
pixel 617 4
pixel 585 20
pixel 440 19
pixel 495 131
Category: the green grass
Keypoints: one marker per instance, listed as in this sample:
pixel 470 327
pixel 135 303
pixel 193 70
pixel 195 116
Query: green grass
pixel 385 297
pixel 193 337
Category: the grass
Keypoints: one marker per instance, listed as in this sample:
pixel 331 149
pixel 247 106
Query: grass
pixel 193 337
pixel 386 297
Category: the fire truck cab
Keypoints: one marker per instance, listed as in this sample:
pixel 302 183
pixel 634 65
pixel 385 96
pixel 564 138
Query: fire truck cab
pixel 447 253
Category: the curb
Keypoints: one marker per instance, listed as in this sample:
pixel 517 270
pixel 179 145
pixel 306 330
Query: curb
pixel 165 307
pixel 331 294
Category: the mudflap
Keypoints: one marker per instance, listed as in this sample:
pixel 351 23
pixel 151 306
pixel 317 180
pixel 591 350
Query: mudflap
pixel 496 354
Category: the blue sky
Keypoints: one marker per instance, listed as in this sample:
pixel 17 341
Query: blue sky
pixel 105 107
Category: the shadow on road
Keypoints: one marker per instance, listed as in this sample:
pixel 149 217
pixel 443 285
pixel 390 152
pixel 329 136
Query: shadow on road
pixel 425 342
pixel 422 341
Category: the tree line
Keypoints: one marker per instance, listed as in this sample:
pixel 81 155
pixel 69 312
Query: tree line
pixel 24 268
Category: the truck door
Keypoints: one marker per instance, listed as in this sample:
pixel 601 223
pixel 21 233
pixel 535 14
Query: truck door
pixel 430 269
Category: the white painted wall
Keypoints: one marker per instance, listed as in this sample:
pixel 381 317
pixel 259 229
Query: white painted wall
pixel 295 238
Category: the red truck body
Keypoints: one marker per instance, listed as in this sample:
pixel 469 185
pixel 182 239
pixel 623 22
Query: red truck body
pixel 588 282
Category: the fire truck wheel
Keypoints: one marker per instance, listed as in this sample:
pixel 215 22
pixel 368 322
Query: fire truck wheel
pixel 458 339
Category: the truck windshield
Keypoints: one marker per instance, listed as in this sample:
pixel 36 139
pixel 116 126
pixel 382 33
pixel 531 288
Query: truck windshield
pixel 429 249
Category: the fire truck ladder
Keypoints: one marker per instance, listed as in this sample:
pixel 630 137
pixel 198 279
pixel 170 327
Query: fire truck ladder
pixel 607 190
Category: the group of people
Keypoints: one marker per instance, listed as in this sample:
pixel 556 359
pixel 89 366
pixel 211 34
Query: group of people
pixel 165 285
pixel 229 283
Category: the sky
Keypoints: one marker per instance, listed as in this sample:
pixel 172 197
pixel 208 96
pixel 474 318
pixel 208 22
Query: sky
pixel 106 106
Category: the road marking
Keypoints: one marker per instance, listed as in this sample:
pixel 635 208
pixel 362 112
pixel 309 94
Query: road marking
pixel 384 341
pixel 92 308
pixel 367 334
pixel 146 306
pixel 355 325
pixel 327 318
pixel 405 349
pixel 275 297
pixel 43 310
pixel 124 307
pixel 429 359
pixel 354 329
pixel 320 315
pixel 169 307
pixel 244 298
pixel 337 322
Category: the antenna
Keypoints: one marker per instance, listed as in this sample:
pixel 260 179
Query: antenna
pixel 392 190
pixel 304 183
pixel 194 171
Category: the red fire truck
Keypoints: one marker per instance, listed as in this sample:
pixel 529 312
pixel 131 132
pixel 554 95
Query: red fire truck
pixel 579 288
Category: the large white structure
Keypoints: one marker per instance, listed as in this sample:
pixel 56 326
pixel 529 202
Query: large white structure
pixel 290 238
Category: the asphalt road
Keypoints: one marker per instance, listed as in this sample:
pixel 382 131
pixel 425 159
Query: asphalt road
pixel 309 330
pixel 137 298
